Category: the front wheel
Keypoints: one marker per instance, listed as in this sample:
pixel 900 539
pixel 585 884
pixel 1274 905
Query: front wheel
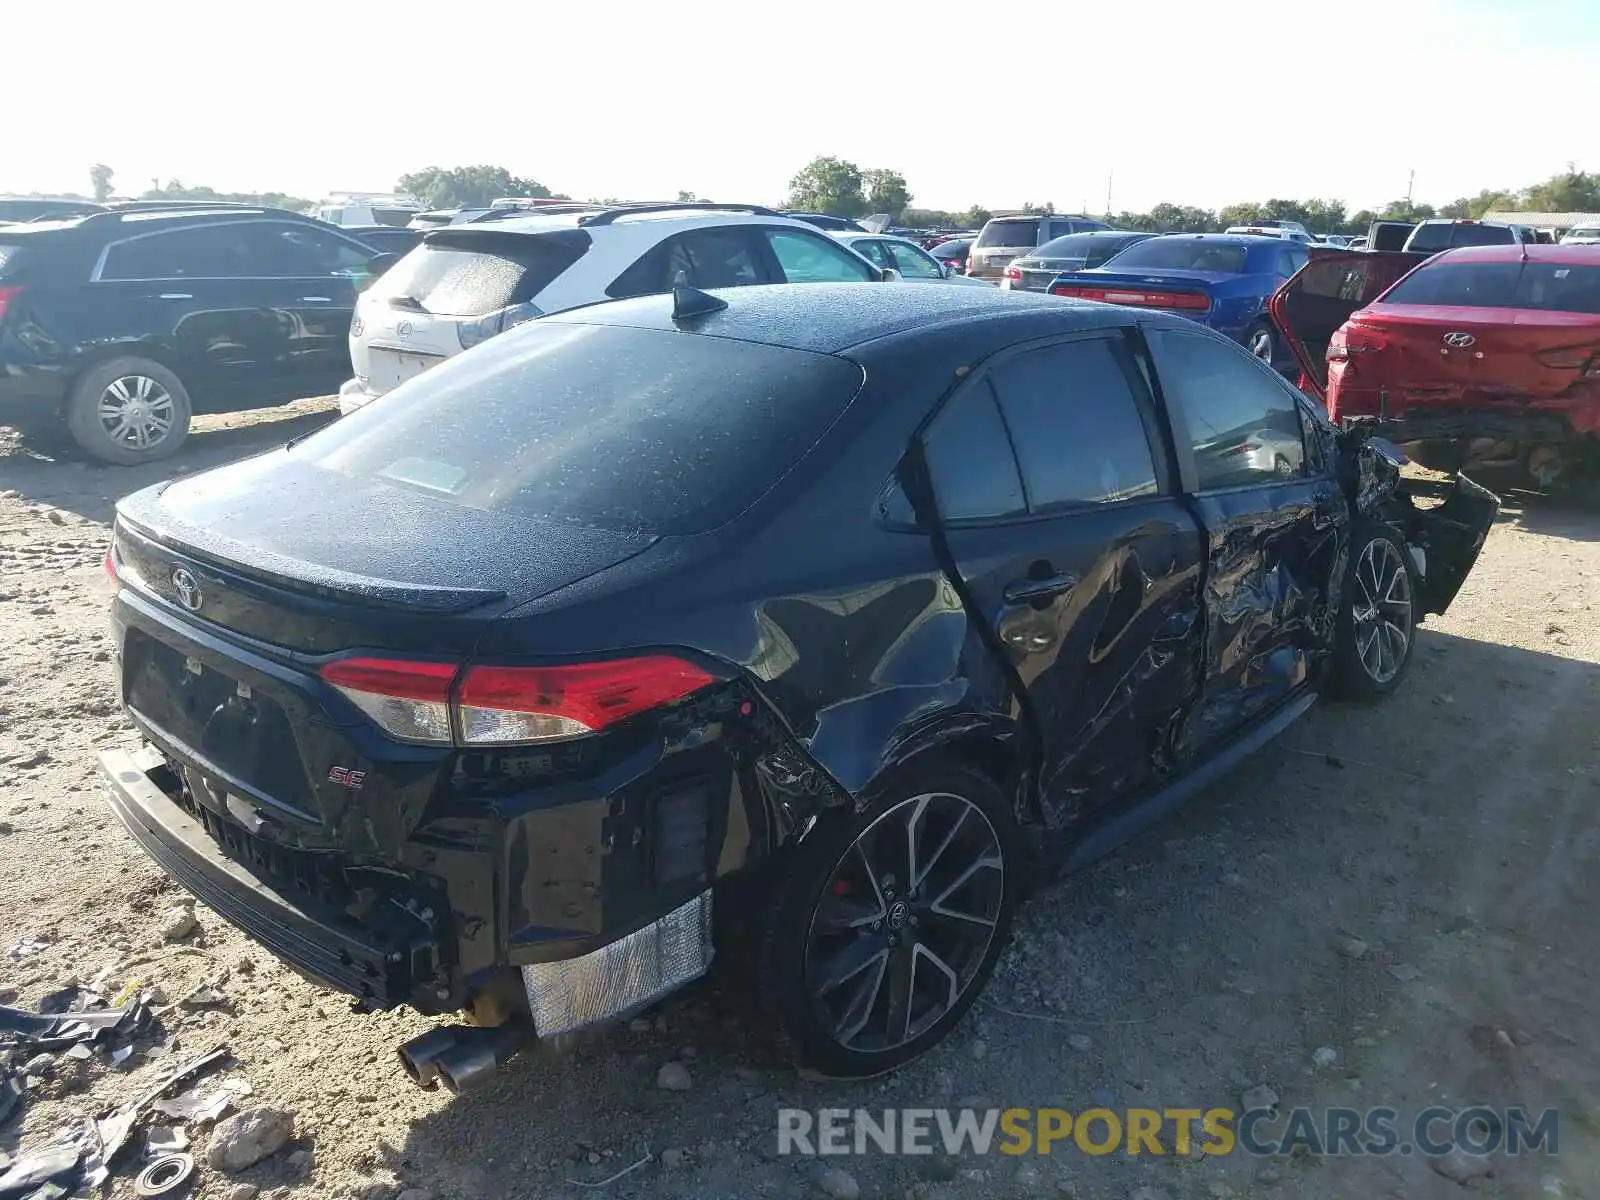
pixel 889 922
pixel 128 411
pixel 1377 623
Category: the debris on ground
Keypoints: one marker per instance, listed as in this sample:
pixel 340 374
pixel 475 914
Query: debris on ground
pixel 246 1138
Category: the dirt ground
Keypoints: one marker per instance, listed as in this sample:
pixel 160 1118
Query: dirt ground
pixel 1454 830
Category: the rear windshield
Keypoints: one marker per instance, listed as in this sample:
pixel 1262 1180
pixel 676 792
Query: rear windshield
pixel 469 275
pixel 1181 254
pixel 616 428
pixel 1553 287
pixel 951 249
pixel 1074 245
pixel 1445 236
pixel 1009 233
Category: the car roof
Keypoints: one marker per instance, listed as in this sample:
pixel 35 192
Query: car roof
pixel 1551 252
pixel 827 318
pixel 1227 239
pixel 534 222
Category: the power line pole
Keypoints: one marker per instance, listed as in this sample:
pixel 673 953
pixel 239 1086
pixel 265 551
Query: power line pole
pixel 1108 191
pixel 1410 182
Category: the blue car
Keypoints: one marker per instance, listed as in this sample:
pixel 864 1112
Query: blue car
pixel 1221 280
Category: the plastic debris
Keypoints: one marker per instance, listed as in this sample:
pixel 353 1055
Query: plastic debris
pixel 165 1139
pixel 31 1170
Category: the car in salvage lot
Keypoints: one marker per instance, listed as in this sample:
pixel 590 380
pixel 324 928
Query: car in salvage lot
pixel 467 283
pixel 1221 280
pixel 1481 356
pixel 910 261
pixel 815 630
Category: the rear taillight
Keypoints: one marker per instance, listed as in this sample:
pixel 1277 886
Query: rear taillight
pixel 541 704
pixel 7 295
pixel 1185 301
pixel 484 328
pixel 1347 343
pixel 410 700
pixel 444 702
pixel 110 563
pixel 1585 360
pixel 1014 272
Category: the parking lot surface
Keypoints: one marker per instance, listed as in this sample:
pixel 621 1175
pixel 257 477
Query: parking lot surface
pixel 1410 887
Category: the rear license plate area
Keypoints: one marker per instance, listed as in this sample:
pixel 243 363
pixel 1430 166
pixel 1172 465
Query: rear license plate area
pixel 221 719
pixel 390 368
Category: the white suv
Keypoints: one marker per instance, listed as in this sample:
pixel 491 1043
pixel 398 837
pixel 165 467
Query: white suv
pixel 466 283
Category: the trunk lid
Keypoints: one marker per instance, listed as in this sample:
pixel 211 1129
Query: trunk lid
pixel 1322 295
pixel 1175 289
pixel 313 560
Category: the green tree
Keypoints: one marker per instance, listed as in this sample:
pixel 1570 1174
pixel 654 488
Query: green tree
pixel 1325 216
pixel 175 189
pixel 1359 220
pixel 1406 210
pixel 830 185
pixel 1573 191
pixel 1239 214
pixel 100 177
pixel 886 191
pixel 467 187
pixel 975 218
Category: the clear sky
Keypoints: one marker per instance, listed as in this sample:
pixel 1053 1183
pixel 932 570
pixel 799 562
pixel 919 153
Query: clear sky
pixel 975 103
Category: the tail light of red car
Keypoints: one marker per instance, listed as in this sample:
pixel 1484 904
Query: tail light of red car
pixel 1347 343
pixel 7 295
pixel 1585 359
pixel 441 702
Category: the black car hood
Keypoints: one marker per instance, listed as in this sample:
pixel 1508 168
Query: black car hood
pixel 293 524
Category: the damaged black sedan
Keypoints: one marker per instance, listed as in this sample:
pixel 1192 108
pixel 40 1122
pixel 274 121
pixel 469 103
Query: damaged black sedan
pixel 806 624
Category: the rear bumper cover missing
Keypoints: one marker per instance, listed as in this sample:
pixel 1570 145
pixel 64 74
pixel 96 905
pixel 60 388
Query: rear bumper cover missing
pixel 317 940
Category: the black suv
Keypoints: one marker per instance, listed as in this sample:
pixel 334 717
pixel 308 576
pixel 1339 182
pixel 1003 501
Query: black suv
pixel 120 325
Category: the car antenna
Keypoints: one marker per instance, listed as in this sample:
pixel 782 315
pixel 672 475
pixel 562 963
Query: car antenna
pixel 688 302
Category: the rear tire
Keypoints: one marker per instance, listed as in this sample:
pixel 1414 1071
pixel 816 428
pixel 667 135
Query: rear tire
pixel 128 411
pixel 1262 342
pixel 888 923
pixel 1376 629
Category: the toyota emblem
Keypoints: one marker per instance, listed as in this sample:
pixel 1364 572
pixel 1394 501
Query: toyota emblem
pixel 1459 341
pixel 187 587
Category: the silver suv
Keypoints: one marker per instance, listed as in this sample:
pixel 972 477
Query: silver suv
pixel 1006 238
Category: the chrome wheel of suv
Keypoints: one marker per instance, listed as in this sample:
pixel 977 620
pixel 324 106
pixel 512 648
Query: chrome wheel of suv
pixel 1260 344
pixel 1382 610
pixel 905 922
pixel 136 412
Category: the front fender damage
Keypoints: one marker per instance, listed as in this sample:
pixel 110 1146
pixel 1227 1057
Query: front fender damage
pixel 1444 539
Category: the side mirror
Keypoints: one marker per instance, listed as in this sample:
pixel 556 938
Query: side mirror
pixel 947 271
pixel 888 275
pixel 379 263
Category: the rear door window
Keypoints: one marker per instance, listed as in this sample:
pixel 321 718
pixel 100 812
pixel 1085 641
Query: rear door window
pixel 728 256
pixel 813 258
pixel 1021 232
pixel 281 250
pixel 469 274
pixel 1075 423
pixel 970 460
pixel 605 426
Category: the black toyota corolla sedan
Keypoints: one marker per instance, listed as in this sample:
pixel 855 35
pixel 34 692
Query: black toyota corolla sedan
pixel 816 622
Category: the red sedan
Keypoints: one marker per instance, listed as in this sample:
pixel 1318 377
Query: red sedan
pixel 1482 355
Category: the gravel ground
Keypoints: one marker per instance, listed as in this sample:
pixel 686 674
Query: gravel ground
pixel 1411 886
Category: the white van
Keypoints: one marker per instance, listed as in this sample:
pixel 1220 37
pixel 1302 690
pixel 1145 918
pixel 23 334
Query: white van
pixel 368 208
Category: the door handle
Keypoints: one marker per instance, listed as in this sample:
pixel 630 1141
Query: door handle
pixel 1024 591
pixel 317 299
pixel 176 296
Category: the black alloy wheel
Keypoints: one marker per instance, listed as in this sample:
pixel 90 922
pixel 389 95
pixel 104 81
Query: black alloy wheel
pixel 898 916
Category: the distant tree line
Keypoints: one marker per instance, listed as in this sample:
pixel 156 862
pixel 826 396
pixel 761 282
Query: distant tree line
pixel 835 185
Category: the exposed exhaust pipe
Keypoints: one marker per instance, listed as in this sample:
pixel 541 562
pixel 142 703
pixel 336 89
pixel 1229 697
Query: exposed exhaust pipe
pixel 420 1055
pixel 476 1053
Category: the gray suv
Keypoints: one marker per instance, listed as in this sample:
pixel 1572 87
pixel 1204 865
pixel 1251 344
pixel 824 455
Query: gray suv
pixel 1006 238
